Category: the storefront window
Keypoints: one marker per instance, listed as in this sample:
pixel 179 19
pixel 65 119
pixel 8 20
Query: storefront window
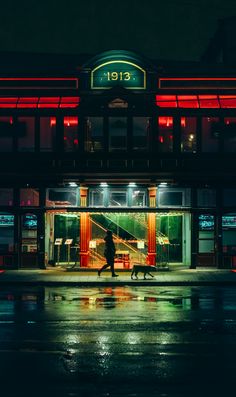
pixel 71 139
pixel 138 198
pixel 210 134
pixel 188 134
pixel 62 197
pixel 169 238
pixel 6 232
pixel 172 197
pixel 230 134
pixel 25 129
pixel 118 198
pixel 62 238
pixel 94 135
pixel 96 197
pixel 29 197
pixel 141 127
pixel 117 133
pixel 165 128
pixel 6 197
pixel 47 134
pixel 6 134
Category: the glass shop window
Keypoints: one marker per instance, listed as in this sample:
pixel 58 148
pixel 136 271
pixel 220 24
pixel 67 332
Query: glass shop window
pixel 25 129
pixel 139 198
pixel 188 134
pixel 6 232
pixel 141 128
pixel 47 134
pixel 94 135
pixel 165 128
pixel 118 198
pixel 6 197
pixel 29 197
pixel 230 134
pixel 117 133
pixel 206 198
pixel 96 197
pixel 6 134
pixel 167 197
pixel 71 140
pixel 62 197
pixel 210 134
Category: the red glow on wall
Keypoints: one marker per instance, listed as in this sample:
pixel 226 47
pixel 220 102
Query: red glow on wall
pixel 70 121
pixel 165 121
pixel 39 102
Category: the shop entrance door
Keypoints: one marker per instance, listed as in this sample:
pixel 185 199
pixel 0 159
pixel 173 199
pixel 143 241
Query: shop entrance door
pixel 206 240
pixel 29 240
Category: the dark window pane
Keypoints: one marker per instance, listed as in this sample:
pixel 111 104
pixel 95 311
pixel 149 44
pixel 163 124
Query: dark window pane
pixel 141 127
pixel 25 129
pixel 6 134
pixel 188 134
pixel 47 133
pixel 71 140
pixel 117 133
pixel 210 134
pixel 230 134
pixel 165 127
pixel 94 136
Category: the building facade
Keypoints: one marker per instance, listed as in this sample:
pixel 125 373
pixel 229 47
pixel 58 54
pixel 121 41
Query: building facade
pixel 116 141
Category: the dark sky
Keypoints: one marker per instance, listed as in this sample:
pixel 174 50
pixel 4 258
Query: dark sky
pixel 160 29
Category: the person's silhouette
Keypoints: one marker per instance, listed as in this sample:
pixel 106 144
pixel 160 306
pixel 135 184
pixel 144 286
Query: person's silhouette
pixel 109 254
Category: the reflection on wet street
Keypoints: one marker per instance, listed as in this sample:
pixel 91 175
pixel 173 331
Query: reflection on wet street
pixel 132 341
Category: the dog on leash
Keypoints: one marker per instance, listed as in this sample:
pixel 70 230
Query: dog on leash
pixel 145 269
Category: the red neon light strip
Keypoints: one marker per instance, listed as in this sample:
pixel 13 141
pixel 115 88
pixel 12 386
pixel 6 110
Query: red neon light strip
pixel 39 102
pixel 196 101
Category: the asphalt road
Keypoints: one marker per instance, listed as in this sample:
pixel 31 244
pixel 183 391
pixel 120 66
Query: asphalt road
pixel 129 341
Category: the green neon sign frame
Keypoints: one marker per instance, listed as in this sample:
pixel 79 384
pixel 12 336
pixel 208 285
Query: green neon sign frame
pixel 118 73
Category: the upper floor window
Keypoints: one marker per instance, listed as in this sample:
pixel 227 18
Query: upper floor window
pixel 230 134
pixel 6 134
pixel 47 134
pixel 62 197
pixel 173 197
pixel 94 134
pixel 6 197
pixel 165 128
pixel 25 129
pixel 71 139
pixel 29 197
pixel 117 133
pixel 141 127
pixel 188 134
pixel 210 134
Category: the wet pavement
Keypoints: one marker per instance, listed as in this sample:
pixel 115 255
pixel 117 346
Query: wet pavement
pixel 117 340
pixel 53 276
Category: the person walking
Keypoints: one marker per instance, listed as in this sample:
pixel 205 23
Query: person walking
pixel 109 254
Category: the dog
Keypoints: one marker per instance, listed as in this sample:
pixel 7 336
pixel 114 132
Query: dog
pixel 145 269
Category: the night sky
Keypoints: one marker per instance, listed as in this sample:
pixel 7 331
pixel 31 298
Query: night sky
pixel 167 29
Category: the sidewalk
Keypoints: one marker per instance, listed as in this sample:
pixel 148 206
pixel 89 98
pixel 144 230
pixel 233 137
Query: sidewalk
pixel 54 277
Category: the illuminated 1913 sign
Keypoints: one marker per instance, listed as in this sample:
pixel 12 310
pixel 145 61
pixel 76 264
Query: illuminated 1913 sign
pixel 118 73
